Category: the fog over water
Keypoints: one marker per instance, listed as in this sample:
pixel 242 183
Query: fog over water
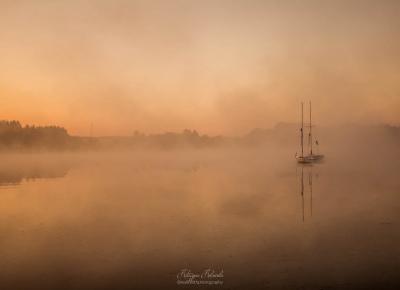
pixel 128 148
pixel 135 219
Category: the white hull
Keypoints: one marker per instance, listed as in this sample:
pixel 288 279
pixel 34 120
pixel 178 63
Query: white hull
pixel 315 157
pixel 303 159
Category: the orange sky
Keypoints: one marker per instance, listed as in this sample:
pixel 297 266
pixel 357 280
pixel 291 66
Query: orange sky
pixel 222 67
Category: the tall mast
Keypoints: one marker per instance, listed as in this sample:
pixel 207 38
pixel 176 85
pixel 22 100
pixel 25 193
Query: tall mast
pixel 91 130
pixel 301 130
pixel 310 134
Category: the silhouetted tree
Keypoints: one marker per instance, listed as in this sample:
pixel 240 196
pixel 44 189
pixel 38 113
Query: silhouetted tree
pixel 13 135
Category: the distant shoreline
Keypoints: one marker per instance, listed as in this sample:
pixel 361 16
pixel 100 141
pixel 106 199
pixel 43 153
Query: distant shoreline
pixel 14 137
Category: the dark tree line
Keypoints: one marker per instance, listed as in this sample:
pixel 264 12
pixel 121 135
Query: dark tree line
pixel 15 136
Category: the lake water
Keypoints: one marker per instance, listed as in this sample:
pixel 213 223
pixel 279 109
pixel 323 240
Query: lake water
pixel 136 220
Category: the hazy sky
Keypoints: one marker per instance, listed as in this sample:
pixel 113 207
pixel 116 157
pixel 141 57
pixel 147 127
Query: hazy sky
pixel 222 67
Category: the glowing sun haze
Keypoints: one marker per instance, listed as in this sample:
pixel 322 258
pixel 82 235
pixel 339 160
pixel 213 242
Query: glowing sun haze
pixel 221 67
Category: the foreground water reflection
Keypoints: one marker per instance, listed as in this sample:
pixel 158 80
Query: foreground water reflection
pixel 134 221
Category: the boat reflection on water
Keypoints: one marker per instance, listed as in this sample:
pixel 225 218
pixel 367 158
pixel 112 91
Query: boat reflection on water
pixel 306 188
pixel 15 172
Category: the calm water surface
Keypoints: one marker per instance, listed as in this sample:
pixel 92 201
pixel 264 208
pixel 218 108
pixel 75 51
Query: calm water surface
pixel 135 220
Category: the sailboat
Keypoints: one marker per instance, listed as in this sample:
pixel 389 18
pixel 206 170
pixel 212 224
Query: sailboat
pixel 311 156
pixel 302 158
